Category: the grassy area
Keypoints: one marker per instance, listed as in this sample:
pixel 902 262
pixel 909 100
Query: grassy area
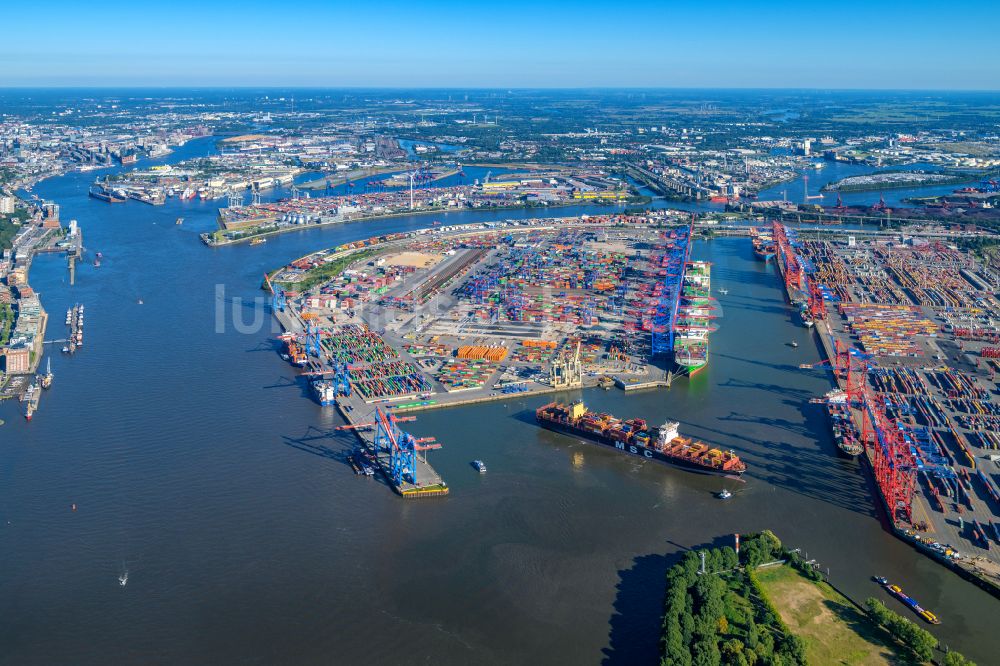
pixel 326 271
pixel 7 232
pixel 6 323
pixel 716 613
pixel 834 630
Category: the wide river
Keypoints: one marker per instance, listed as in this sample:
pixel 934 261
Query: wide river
pixel 197 462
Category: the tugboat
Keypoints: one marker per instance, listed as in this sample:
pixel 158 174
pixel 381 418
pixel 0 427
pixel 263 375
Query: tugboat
pixel 48 376
pixel 480 466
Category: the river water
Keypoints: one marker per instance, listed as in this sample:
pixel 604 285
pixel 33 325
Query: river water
pixel 197 461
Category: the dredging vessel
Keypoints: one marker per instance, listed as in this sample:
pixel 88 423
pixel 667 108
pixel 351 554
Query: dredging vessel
pixel 663 444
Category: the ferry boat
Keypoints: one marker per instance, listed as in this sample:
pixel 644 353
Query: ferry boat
pixel 897 592
pixel 663 444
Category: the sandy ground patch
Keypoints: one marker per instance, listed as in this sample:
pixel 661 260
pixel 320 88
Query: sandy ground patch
pixel 414 259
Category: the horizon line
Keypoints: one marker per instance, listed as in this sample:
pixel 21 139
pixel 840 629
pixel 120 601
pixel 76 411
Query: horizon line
pixel 128 86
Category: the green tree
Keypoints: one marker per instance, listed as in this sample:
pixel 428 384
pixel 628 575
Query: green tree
pixel 753 634
pixel 795 648
pixel 729 558
pixel 952 658
pixel 706 653
pixel 730 649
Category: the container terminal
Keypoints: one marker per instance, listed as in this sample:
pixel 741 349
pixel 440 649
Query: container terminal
pixel 454 316
pixel 911 329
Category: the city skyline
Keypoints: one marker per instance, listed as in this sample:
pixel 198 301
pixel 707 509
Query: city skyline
pixel 580 45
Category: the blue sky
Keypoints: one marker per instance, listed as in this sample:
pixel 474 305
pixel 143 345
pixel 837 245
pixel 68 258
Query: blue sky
pixel 504 43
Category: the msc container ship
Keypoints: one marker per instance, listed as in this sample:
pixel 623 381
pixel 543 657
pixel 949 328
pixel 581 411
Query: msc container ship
pixel 663 444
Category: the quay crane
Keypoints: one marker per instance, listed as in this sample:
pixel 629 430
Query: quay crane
pixel 278 297
pixel 894 460
pixel 401 446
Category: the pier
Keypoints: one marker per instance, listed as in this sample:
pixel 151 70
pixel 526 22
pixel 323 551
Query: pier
pixel 396 454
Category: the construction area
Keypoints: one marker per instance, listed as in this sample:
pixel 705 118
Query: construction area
pixel 912 332
pixel 453 316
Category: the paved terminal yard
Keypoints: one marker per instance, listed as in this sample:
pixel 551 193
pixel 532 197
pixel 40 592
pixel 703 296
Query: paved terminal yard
pixel 446 319
pixel 923 321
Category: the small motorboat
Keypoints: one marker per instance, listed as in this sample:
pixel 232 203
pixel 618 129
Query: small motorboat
pixel 724 494
pixel 480 466
pixel 793 344
pixel 123 579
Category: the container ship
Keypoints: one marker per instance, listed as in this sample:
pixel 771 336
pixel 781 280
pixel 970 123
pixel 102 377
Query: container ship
pixel 102 193
pixel 845 435
pixel 324 391
pixel 663 444
pixel 691 327
pixel 763 245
